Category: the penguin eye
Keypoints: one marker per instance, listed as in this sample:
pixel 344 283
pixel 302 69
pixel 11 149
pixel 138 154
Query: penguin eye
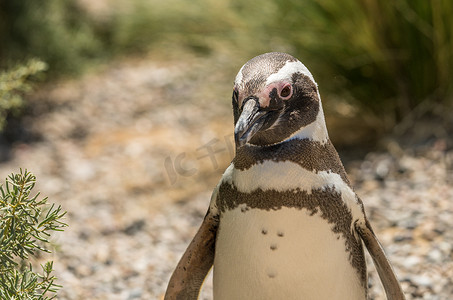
pixel 286 91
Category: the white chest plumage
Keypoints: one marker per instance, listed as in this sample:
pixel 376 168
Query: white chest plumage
pixel 285 253
pixel 282 254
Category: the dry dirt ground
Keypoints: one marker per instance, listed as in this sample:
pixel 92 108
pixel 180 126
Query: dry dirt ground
pixel 132 153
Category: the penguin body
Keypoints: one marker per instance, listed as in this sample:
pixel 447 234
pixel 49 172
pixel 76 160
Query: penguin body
pixel 284 221
pixel 265 266
pixel 288 238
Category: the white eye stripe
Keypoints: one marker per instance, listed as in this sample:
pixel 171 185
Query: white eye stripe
pixel 286 72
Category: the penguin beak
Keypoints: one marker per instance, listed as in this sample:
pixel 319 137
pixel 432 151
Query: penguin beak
pixel 249 123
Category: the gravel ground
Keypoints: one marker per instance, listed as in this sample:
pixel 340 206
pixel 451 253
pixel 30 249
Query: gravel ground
pixel 126 153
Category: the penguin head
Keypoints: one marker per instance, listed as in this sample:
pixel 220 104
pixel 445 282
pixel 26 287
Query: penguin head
pixel 275 99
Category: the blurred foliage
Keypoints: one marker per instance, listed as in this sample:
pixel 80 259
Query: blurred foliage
pixel 14 84
pixel 67 36
pixel 385 57
pixel 25 227
pixel 58 32
pixel 201 26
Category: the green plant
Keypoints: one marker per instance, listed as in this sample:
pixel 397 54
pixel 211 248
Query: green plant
pixel 196 26
pixel 25 227
pixel 58 32
pixel 14 84
pixel 387 57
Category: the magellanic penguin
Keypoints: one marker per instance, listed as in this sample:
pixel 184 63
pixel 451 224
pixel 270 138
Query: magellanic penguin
pixel 284 221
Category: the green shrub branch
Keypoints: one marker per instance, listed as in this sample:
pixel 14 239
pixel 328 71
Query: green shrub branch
pixel 14 84
pixel 26 223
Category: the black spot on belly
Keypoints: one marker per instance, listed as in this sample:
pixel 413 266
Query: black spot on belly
pixel 245 208
pixel 273 247
pixel 264 231
pixel 271 274
pixel 280 233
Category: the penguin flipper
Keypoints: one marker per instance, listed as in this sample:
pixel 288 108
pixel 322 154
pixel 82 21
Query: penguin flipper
pixel 188 277
pixel 386 274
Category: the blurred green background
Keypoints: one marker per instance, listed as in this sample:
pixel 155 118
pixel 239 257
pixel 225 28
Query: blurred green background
pixel 386 61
